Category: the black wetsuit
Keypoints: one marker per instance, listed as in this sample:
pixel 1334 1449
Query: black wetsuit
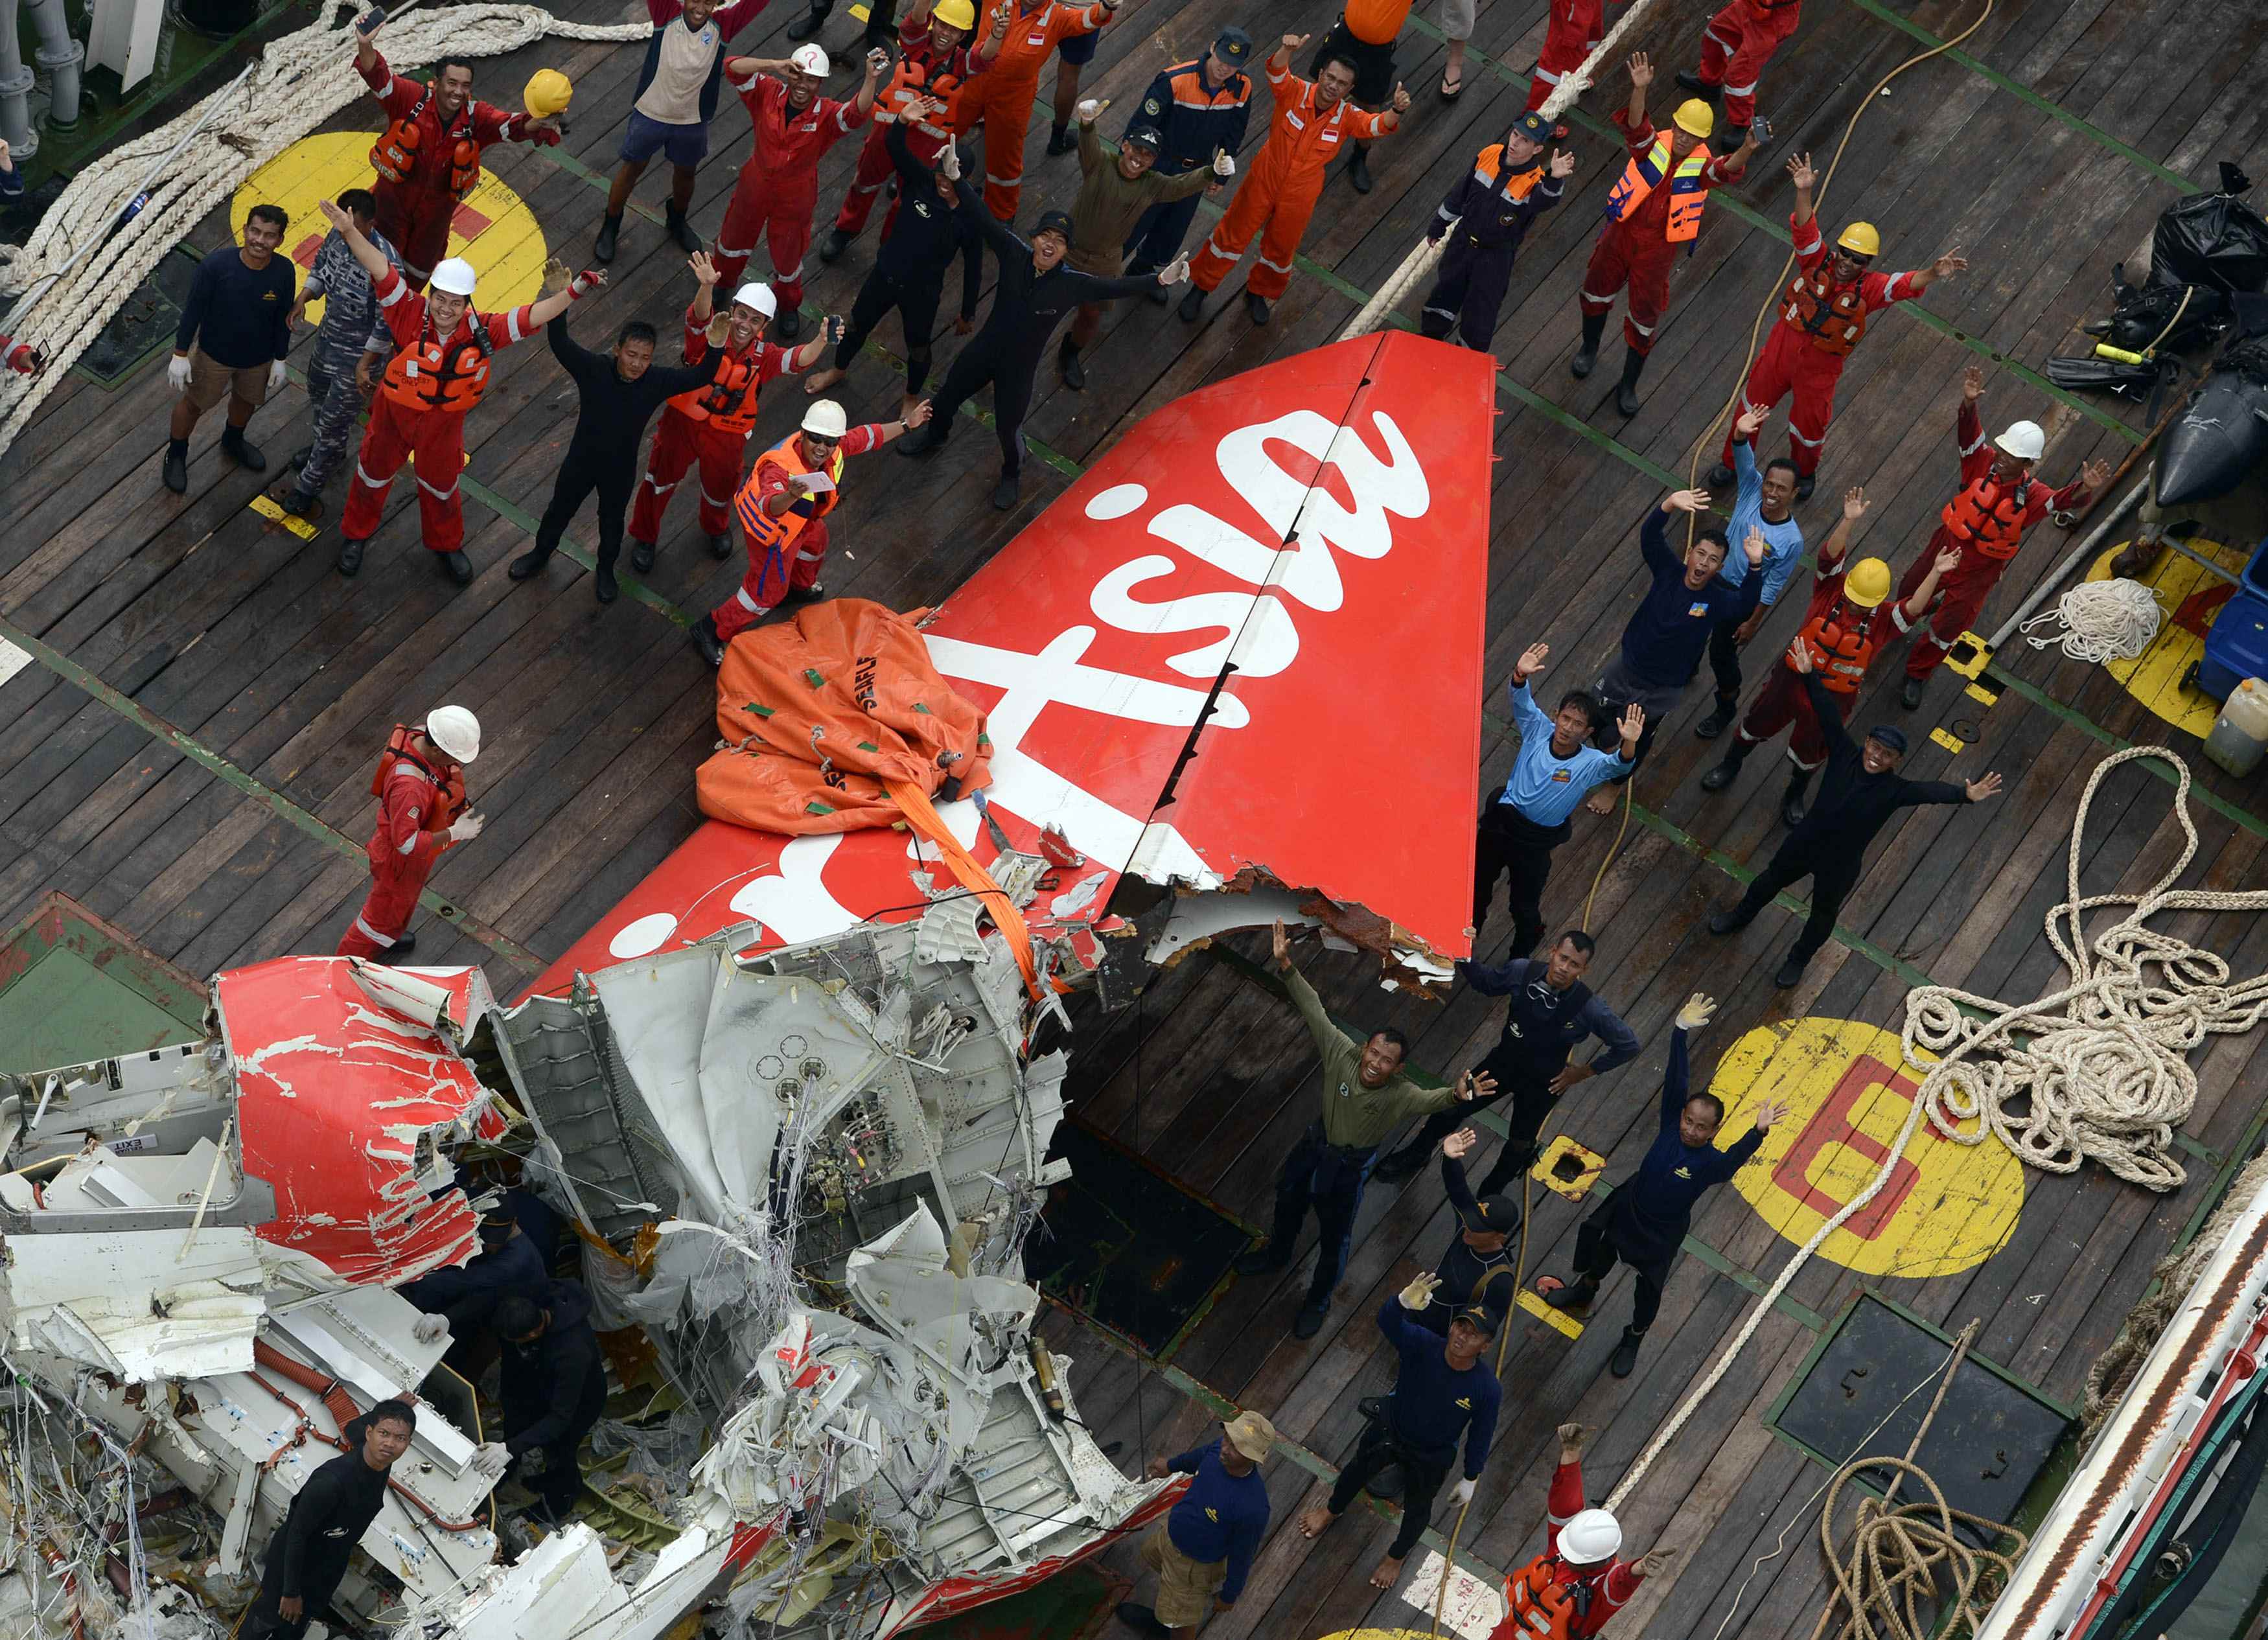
pixel 308 1554
pixel 908 275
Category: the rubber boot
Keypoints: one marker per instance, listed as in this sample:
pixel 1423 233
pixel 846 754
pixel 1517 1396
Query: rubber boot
pixel 1074 373
pixel 1723 776
pixel 611 233
pixel 805 27
pixel 1698 86
pixel 835 243
pixel 1791 803
pixel 1358 169
pixel 1587 357
pixel 682 231
pixel 1626 398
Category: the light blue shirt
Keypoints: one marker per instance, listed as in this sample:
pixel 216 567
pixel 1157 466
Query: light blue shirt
pixel 1783 542
pixel 1545 787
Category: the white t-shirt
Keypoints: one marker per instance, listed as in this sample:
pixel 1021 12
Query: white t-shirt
pixel 673 98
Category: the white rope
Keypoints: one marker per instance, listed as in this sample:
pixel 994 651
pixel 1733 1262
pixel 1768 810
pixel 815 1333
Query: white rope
pixel 1427 252
pixel 2100 621
pixel 78 278
pixel 2097 1069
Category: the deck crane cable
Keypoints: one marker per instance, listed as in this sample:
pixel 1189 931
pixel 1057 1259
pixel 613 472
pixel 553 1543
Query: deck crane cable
pixel 123 214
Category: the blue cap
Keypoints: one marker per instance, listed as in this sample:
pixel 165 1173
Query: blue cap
pixel 1890 735
pixel 1533 127
pixel 1232 45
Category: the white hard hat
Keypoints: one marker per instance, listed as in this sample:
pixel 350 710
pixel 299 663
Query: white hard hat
pixel 1592 1536
pixel 759 297
pixel 455 277
pixel 825 417
pixel 2023 440
pixel 455 730
pixel 810 59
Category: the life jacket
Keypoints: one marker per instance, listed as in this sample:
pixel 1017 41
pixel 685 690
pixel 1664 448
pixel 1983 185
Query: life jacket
pixel 728 404
pixel 1842 643
pixel 1544 1604
pixel 917 76
pixel 1489 167
pixel 436 375
pixel 1990 516
pixel 763 532
pixel 1833 315
pixel 1686 191
pixel 394 156
pixel 400 753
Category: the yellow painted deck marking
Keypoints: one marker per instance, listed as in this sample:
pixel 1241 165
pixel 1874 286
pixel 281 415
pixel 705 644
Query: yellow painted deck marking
pixel 1951 742
pixel 494 229
pixel 267 507
pixel 2191 595
pixel 1949 1206
pixel 1545 1172
pixel 1549 1316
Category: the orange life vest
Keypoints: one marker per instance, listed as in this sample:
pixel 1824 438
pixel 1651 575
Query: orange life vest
pixel 1687 193
pixel 436 375
pixel 728 404
pixel 1544 1605
pixel 400 753
pixel 1989 516
pixel 765 532
pixel 1488 166
pixel 1842 643
pixel 917 77
pixel 1833 315
pixel 394 155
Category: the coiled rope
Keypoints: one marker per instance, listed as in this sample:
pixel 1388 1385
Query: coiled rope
pixel 2095 1069
pixel 88 253
pixel 2099 621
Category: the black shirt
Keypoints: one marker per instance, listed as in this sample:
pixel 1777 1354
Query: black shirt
pixel 1463 1271
pixel 1663 642
pixel 308 1554
pixel 239 316
pixel 1854 806
pixel 614 412
pixel 1028 305
pixel 927 233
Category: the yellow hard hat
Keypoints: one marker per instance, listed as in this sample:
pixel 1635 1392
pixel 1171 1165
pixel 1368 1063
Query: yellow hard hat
pixel 1868 583
pixel 955 13
pixel 1860 239
pixel 1695 117
pixel 549 92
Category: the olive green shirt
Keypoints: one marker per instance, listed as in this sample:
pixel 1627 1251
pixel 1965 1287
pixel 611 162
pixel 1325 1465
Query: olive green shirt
pixel 1108 206
pixel 1354 1115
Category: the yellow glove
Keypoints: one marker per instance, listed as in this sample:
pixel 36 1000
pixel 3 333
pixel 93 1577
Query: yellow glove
pixel 1419 1293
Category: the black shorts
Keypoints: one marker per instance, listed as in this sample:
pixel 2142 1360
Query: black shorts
pixel 1079 48
pixel 1374 79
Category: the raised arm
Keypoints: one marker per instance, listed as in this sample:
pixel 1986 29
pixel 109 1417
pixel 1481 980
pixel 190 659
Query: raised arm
pixel 1496 981
pixel 368 256
pixel 1838 539
pixel 1002 238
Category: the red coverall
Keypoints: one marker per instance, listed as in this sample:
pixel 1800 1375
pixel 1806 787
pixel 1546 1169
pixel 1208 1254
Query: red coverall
pixel 1638 250
pixel 415 215
pixel 1577 28
pixel 1961 595
pixel 398 429
pixel 709 426
pixel 1001 96
pixel 413 815
pixel 778 188
pixel 1792 360
pixel 767 580
pixel 1784 702
pixel 1612 1586
pixel 920 72
pixel 1279 190
pixel 1747 32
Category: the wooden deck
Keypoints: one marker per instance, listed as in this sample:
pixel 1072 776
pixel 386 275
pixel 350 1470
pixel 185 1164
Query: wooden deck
pixel 188 745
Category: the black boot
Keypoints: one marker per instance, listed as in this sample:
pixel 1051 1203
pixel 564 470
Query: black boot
pixel 1587 357
pixel 705 639
pixel 350 557
pixel 835 244
pixel 1624 1362
pixel 803 28
pixel 1790 973
pixel 242 452
pixel 923 442
pixel 1720 719
pixel 1910 691
pixel 1005 492
pixel 177 466
pixel 1060 141
pixel 682 231
pixel 528 564
pixel 789 324
pixel 1358 169
pixel 402 948
pixel 1259 1261
pixel 1805 484
pixel 641 556
pixel 299 457
pixel 1256 308
pixel 1626 398
pixel 611 233
pixel 1719 476
pixel 1791 802
pixel 1732 922
pixel 1402 1163
pixel 1192 304
pixel 1723 776
pixel 1698 86
pixel 300 504
pixel 1074 373
pixel 459 566
pixel 720 545
pixel 603 583
pixel 1575 1299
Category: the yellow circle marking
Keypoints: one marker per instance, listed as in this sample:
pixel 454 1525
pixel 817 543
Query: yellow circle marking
pixel 1947 1206
pixel 494 230
pixel 2191 595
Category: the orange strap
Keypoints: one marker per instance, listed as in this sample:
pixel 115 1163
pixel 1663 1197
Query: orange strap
pixel 922 815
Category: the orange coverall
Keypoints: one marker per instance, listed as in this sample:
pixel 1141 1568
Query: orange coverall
pixel 415 811
pixel 1279 191
pixel 1001 96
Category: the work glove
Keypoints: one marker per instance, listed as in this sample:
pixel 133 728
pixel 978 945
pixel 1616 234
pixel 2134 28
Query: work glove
pixel 1698 1011
pixel 1419 1293
pixel 1463 1493
pixel 177 372
pixel 490 1461
pixel 583 284
pixel 1174 272
pixel 429 1329
pixel 949 162
pixel 1088 111
pixel 1223 165
pixel 467 828
pixel 531 1462
pixel 275 374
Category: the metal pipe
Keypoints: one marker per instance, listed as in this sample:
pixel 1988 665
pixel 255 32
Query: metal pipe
pixel 15 89
pixel 2077 554
pixel 61 56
